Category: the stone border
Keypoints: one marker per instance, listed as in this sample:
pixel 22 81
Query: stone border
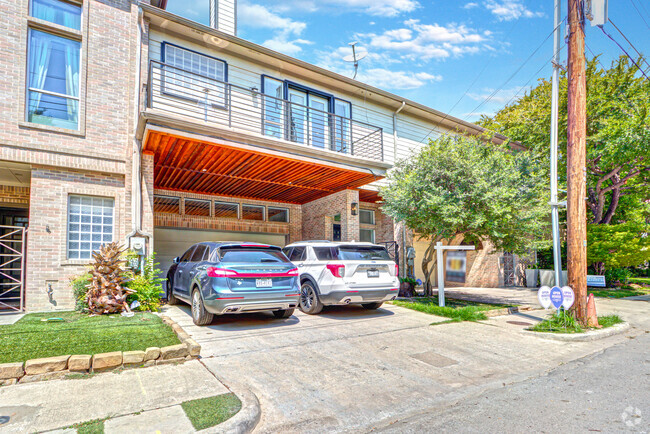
pixel 587 336
pixel 246 419
pixel 58 367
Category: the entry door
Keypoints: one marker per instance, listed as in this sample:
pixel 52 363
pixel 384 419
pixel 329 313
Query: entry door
pixel 318 121
pixel 297 115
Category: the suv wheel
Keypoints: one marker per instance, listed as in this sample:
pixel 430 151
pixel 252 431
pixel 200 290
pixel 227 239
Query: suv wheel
pixel 309 301
pixel 171 298
pixel 373 306
pixel 284 313
pixel 200 316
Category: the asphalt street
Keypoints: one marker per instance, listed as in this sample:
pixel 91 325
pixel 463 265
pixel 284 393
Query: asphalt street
pixel 606 392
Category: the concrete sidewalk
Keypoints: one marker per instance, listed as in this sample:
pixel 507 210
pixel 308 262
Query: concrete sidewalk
pixel 60 403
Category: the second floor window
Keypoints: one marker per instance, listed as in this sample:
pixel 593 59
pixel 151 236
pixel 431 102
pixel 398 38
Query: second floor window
pixel 57 12
pixel 194 76
pixel 53 80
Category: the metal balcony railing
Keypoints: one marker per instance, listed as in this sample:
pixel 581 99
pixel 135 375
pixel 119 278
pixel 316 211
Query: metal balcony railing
pixel 215 102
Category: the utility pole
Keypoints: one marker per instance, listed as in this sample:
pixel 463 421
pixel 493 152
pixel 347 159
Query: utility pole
pixel 555 83
pixel 576 161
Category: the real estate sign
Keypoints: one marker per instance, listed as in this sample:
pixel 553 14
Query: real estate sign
pixel 596 281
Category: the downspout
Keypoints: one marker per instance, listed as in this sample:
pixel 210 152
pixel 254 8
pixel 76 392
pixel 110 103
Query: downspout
pixel 403 249
pixel 136 170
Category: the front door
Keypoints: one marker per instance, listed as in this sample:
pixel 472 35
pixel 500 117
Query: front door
pixel 336 232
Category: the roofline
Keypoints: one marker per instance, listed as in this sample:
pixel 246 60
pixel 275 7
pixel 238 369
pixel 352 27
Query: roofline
pixel 468 127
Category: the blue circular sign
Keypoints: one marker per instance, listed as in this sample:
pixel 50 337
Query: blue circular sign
pixel 556 297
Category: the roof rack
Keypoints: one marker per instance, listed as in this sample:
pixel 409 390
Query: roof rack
pixel 314 241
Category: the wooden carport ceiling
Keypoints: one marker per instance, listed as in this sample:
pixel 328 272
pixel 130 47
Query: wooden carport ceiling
pixel 190 165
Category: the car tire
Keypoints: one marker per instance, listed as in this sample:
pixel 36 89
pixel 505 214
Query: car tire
pixel 373 306
pixel 171 298
pixel 309 300
pixel 284 313
pixel 200 316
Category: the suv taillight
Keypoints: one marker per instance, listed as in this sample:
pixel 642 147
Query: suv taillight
pixel 337 270
pixel 396 270
pixel 220 272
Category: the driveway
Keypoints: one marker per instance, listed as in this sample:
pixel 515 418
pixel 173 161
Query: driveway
pixel 353 369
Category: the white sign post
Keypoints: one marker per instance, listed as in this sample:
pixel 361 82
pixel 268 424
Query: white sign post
pixel 441 267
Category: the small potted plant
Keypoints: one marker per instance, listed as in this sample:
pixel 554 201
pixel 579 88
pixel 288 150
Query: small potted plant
pixel 407 287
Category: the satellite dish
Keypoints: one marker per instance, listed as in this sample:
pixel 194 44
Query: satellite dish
pixel 355 56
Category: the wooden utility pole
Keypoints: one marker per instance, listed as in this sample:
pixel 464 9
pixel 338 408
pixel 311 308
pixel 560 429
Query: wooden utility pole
pixel 576 162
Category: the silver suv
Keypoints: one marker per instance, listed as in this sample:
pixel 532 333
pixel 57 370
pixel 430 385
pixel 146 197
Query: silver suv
pixel 339 273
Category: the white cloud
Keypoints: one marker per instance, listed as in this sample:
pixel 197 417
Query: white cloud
pixel 387 79
pixel 417 41
pixel 470 5
pixel 508 10
pixel 286 31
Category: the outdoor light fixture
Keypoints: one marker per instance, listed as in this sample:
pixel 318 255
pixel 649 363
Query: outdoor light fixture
pixel 354 208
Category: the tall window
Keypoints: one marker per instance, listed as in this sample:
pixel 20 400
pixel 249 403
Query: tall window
pixel 342 139
pixel 273 117
pixel 367 235
pixel 90 224
pixel 53 69
pixel 194 76
pixel 366 216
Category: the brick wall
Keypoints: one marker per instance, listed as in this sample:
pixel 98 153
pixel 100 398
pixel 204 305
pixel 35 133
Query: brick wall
pixel 318 216
pixel 14 196
pixel 384 227
pixel 47 269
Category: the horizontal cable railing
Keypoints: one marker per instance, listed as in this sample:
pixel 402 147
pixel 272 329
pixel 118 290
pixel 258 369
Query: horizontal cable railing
pixel 223 104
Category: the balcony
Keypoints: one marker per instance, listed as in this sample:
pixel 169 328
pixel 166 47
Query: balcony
pixel 224 106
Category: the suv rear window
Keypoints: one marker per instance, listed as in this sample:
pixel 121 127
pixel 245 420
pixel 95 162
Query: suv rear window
pixel 326 253
pixel 355 253
pixel 255 256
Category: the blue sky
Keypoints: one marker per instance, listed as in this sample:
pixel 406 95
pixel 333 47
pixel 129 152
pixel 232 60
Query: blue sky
pixel 433 52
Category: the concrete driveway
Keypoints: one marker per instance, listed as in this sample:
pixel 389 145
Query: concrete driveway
pixel 353 369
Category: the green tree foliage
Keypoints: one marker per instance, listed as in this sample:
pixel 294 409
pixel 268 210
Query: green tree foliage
pixel 618 246
pixel 146 284
pixel 618 133
pixel 463 185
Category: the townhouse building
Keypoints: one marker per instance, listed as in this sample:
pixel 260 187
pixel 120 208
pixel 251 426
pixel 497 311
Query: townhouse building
pixel 121 122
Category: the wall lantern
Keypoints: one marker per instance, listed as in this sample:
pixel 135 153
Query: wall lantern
pixel 354 208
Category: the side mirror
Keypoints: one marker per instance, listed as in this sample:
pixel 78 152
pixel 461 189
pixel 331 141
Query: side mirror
pixel 176 260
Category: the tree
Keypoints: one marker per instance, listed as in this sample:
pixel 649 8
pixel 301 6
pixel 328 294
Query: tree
pixel 463 185
pixel 618 132
pixel 106 293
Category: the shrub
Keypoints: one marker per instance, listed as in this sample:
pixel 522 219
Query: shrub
pixel 618 275
pixel 147 285
pixel 80 287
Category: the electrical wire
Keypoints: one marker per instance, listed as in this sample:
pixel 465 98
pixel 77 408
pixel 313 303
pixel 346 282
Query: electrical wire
pixel 639 12
pixel 624 51
pixel 641 57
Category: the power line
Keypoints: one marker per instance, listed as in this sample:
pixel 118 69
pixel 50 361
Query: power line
pixel 626 53
pixel 639 12
pixel 628 41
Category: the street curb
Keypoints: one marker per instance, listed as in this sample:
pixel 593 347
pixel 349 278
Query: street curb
pixel 246 419
pixel 591 335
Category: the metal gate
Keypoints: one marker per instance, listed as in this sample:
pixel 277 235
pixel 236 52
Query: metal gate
pixel 393 250
pixel 12 268
pixel 509 278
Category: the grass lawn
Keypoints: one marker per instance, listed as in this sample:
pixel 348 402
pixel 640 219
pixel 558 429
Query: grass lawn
pixel 618 293
pixel 640 280
pixel 208 412
pixel 31 338
pixel 565 323
pixel 458 310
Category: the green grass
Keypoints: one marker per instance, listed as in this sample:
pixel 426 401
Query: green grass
pixel 619 293
pixel 459 310
pixel 564 322
pixel 31 338
pixel 208 412
pixel 91 427
pixel 640 280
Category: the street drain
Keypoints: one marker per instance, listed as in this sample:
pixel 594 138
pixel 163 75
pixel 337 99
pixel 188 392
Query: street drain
pixel 4 420
pixel 521 323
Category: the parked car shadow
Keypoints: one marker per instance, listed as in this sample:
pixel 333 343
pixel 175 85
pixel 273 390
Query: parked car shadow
pixel 352 312
pixel 245 321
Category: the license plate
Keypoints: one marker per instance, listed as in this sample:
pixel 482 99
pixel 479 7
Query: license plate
pixel 373 273
pixel 263 283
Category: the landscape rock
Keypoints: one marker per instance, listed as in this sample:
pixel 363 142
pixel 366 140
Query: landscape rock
pixel 8 382
pixel 132 357
pixel 183 336
pixel 174 352
pixel 175 361
pixel 193 347
pixel 45 365
pixel 11 370
pixel 107 361
pixel 79 363
pixel 151 353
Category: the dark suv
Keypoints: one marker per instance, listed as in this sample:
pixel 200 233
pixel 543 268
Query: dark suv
pixel 220 278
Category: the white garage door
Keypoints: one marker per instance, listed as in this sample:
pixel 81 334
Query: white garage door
pixel 170 243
